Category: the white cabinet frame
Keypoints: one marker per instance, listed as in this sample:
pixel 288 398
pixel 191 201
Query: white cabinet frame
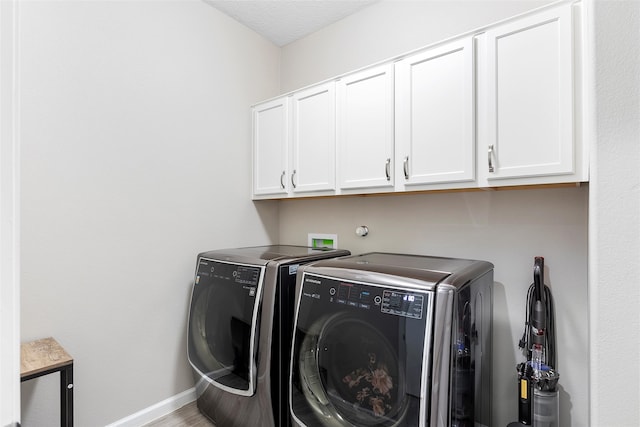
pixel 313 139
pixel 435 116
pixel 365 128
pixel 270 147
pixel 530 96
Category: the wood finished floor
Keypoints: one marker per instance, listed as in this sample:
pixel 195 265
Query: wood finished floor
pixel 188 415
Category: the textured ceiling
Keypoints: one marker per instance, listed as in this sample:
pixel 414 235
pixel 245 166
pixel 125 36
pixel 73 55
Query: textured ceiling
pixel 285 21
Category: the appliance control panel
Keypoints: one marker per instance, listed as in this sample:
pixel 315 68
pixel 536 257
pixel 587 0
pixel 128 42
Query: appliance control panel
pixel 212 271
pixel 406 304
pixel 365 296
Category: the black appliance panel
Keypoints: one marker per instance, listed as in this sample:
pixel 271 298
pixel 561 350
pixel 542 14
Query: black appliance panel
pixel 281 341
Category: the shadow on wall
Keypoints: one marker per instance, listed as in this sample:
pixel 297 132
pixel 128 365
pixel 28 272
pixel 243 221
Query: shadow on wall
pixel 181 350
pixel 504 359
pixel 39 399
pixel 268 212
pixel 565 404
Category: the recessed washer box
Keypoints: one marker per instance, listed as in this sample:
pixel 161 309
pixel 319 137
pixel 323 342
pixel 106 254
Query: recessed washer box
pixel 318 240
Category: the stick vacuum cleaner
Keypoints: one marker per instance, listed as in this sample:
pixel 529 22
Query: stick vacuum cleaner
pixel 538 376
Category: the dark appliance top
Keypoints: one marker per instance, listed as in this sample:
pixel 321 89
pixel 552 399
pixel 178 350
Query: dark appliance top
pixel 281 254
pixel 431 269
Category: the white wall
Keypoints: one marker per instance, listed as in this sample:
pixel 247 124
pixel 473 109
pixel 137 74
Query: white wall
pixel 385 30
pixel 135 156
pixel 506 228
pixel 9 222
pixel 615 218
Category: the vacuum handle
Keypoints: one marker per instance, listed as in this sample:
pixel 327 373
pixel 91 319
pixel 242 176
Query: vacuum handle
pixel 538 277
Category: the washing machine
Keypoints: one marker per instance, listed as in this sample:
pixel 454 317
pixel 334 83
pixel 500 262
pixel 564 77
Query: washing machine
pixel 239 331
pixel 386 340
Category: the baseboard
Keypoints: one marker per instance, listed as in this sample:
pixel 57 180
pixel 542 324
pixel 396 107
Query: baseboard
pixel 158 410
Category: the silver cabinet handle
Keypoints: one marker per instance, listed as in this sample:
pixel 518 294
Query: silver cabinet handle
pixel 387 169
pixel 490 156
pixel 405 167
pixel 282 179
pixel 293 182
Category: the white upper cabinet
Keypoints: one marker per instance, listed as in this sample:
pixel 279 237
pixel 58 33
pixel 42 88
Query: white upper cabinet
pixel 270 146
pixel 528 100
pixel 505 105
pixel 365 128
pixel 435 115
pixel 313 139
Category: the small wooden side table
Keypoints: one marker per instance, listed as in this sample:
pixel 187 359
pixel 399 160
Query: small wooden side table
pixel 46 356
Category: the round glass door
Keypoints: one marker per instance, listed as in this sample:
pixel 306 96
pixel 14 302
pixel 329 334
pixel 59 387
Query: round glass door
pixel 223 324
pixel 359 372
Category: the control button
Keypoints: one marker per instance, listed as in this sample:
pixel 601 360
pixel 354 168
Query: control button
pixel 332 291
pixel 377 299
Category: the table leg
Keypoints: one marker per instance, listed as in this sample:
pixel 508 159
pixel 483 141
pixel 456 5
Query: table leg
pixel 66 396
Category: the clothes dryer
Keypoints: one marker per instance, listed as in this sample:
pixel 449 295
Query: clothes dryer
pixel 386 340
pixel 239 332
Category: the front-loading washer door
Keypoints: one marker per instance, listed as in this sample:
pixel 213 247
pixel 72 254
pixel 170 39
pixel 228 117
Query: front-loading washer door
pixel 223 324
pixel 359 354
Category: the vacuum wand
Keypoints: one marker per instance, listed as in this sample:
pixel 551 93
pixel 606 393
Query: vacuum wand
pixel 538 317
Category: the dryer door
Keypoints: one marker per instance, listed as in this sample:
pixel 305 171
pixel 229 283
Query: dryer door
pixel 359 354
pixel 223 324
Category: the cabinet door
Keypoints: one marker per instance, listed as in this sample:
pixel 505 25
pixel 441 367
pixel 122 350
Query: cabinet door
pixel 313 139
pixel 365 128
pixel 530 96
pixel 435 115
pixel 270 145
